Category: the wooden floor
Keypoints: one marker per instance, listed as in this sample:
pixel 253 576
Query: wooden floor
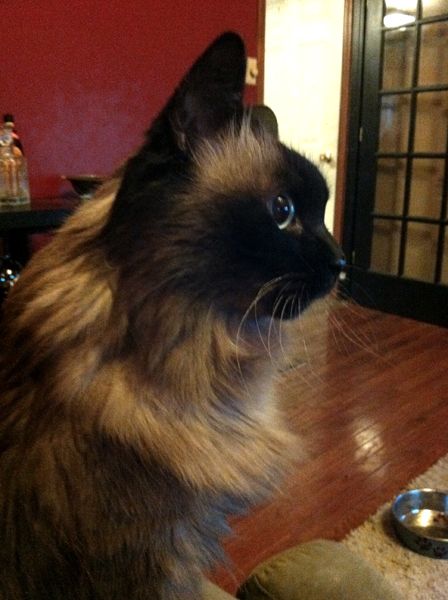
pixel 369 402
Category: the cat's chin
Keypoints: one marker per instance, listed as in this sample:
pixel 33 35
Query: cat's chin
pixel 293 305
pixel 285 305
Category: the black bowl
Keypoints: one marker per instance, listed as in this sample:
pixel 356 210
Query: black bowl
pixel 84 185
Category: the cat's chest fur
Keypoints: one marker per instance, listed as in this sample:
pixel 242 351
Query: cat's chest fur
pixel 142 481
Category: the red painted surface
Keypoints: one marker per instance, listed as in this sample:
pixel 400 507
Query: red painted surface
pixel 85 78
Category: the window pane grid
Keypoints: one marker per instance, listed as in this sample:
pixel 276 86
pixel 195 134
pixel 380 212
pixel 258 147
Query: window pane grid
pixel 410 214
pixel 442 251
pixel 420 19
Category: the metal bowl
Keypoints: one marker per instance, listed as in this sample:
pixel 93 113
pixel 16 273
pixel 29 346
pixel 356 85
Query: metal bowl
pixel 420 518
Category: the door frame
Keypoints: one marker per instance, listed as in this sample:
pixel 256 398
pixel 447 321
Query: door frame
pixel 350 134
pixel 347 94
pixel 347 101
pixel 261 48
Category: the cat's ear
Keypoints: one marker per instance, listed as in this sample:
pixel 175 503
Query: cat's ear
pixel 262 118
pixel 211 93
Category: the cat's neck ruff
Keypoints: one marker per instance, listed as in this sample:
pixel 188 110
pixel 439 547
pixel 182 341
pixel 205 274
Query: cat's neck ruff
pixel 189 373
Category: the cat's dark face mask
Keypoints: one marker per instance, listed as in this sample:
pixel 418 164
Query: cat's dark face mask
pixel 215 210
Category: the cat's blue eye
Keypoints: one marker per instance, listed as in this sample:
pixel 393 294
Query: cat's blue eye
pixel 282 210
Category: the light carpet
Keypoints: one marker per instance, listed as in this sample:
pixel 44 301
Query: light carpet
pixel 416 576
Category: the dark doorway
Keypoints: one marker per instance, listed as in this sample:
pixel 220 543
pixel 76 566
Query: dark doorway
pixel 396 226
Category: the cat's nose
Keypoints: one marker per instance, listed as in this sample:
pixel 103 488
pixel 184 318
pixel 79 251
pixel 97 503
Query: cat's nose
pixel 341 263
pixel 336 257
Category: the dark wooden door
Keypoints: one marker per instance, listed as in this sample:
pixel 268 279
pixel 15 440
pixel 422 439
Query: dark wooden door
pixel 396 232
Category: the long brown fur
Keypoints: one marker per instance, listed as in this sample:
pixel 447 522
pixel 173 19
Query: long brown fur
pixel 122 454
pixel 137 412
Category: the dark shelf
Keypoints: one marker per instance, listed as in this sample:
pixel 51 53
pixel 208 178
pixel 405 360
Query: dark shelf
pixel 41 215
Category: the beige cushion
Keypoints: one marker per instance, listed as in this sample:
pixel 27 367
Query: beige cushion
pixel 318 570
pixel 213 592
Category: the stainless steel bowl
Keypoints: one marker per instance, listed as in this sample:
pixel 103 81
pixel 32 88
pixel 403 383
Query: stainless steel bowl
pixel 420 518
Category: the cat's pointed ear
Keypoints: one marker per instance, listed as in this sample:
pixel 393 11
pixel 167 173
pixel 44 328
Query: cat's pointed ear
pixel 211 93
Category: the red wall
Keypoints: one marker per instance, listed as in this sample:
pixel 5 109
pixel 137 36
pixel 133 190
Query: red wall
pixel 84 78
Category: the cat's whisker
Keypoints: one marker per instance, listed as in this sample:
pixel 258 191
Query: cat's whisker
pixel 307 360
pixel 289 364
pixel 280 298
pixel 272 325
pixel 339 341
pixel 265 289
pixel 280 334
pixel 297 364
pixel 352 336
pixel 260 333
pixel 353 308
pixel 349 308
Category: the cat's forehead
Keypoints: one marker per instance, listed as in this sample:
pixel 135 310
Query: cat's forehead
pixel 239 160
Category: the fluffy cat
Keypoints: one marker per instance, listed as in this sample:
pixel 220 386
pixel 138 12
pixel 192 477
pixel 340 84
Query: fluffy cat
pixel 136 409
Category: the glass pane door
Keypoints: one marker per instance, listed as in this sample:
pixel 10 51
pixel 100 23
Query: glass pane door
pixel 409 217
pixel 401 193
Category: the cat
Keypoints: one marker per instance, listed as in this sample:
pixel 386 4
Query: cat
pixel 136 409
